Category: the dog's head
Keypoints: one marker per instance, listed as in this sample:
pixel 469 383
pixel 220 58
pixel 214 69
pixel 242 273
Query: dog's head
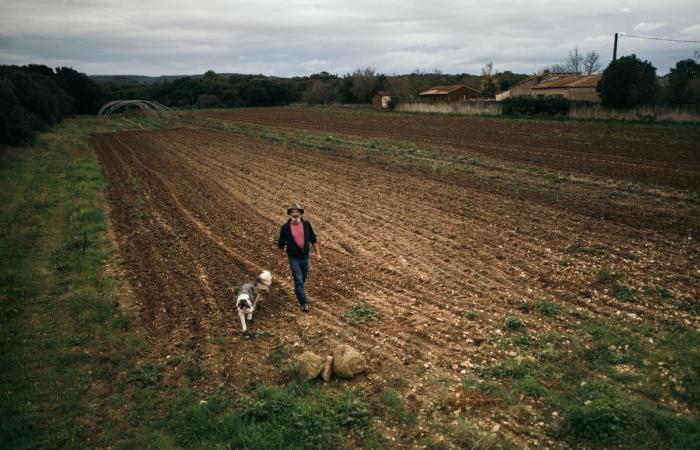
pixel 244 304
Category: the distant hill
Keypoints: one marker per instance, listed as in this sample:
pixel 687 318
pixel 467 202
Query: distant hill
pixel 143 79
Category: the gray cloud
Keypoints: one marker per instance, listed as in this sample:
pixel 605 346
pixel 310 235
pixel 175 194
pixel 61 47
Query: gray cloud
pixel 302 37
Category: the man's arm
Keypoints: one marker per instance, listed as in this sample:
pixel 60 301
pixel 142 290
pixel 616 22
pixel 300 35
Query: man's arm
pixel 280 255
pixel 317 250
pixel 281 243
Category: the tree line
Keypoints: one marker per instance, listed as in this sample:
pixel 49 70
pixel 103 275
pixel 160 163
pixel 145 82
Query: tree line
pixel 34 97
pixel 218 90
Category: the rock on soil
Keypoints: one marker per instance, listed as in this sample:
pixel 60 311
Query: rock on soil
pixel 347 362
pixel 310 365
pixel 327 369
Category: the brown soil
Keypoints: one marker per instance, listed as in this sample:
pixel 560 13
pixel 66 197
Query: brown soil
pixel 663 154
pixel 195 212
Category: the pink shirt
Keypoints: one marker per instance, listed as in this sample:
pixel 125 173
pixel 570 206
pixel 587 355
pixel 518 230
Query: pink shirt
pixel 298 233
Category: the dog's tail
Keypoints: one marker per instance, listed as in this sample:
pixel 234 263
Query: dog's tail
pixel 264 278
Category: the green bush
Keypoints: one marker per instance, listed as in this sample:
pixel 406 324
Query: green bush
pixel 536 106
pixel 627 82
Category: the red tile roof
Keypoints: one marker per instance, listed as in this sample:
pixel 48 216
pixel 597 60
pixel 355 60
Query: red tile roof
pixel 444 90
pixel 570 81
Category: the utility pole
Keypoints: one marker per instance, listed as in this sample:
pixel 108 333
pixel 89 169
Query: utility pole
pixel 615 48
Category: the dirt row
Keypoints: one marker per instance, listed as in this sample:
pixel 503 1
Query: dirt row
pixel 660 154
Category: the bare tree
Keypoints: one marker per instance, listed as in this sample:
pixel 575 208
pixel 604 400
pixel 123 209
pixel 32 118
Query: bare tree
pixel 574 62
pixel 488 85
pixel 591 63
pixel 557 68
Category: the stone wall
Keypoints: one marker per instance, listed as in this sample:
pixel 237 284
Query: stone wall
pixel 490 107
pixel 579 111
pixel 686 113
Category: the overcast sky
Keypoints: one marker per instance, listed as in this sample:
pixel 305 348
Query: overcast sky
pixel 293 37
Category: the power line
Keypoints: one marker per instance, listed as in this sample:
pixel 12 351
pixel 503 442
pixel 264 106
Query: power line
pixel 657 39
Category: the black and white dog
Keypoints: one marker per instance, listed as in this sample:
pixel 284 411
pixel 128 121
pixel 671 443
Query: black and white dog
pixel 248 296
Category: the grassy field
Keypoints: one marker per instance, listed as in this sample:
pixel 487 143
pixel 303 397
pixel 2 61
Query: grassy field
pixel 74 372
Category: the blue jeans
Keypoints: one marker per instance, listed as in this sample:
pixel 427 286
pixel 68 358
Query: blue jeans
pixel 300 269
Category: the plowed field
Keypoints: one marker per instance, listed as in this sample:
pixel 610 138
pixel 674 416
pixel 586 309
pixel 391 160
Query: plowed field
pixel 443 264
pixel 651 154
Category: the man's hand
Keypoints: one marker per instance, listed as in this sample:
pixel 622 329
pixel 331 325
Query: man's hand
pixel 279 260
pixel 317 256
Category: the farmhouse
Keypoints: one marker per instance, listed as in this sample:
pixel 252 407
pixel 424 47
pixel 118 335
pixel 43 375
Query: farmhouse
pixel 574 87
pixel 449 93
pixel 524 88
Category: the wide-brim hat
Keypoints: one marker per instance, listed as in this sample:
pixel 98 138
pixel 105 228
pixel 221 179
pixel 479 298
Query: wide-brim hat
pixel 295 206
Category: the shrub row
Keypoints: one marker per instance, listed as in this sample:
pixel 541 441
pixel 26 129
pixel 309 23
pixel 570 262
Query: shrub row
pixel 536 106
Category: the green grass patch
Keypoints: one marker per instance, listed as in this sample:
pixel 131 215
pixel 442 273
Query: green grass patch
pixel 393 404
pixel 360 314
pixel 611 385
pixel 269 417
pixel 59 315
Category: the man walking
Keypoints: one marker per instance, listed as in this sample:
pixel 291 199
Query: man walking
pixel 297 236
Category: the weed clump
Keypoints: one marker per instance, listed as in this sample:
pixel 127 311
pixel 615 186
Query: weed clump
pixel 548 308
pixel 471 315
pixel 660 291
pixel 607 275
pixel 622 293
pixel 513 323
pixel 360 314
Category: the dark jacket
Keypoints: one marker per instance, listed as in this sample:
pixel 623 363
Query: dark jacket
pixel 287 240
